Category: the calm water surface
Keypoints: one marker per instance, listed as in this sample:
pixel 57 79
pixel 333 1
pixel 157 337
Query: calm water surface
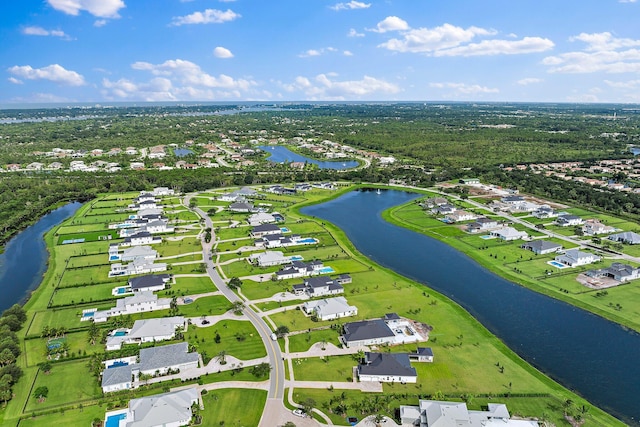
pixel 24 260
pixel 280 154
pixel 584 352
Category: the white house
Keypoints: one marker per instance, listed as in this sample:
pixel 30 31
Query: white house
pixel 135 252
pixel 330 308
pixel 482 224
pixel 261 218
pixel 541 247
pixel 152 282
pixel 300 269
pixel 163 191
pixel 159 360
pixel 460 215
pixel 265 230
pixel 147 330
pixel 594 227
pixel 161 410
pixel 141 238
pixel 387 367
pixel 138 303
pixel 576 258
pixel 509 233
pixel 117 378
pixel 627 237
pixel 544 211
pixel 569 220
pixel 318 287
pixel 137 266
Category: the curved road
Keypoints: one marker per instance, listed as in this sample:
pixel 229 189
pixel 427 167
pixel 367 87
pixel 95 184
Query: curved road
pixel 276 379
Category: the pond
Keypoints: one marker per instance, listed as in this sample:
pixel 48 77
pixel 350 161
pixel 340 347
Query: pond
pixel 280 154
pixel 24 260
pixel 181 152
pixel 586 353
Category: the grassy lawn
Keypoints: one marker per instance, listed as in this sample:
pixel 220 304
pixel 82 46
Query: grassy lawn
pixel 256 290
pixel 74 417
pixel 249 346
pixel 333 368
pixel 86 276
pixel 58 380
pixel 213 305
pixel 233 407
pixel 189 286
pixel 303 342
pixel 81 294
pixel 176 247
pixel 36 349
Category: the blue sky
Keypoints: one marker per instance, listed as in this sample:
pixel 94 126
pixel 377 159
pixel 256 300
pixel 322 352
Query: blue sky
pixel 295 50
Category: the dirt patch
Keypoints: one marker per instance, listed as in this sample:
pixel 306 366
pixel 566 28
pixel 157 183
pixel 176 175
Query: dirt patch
pixel 597 282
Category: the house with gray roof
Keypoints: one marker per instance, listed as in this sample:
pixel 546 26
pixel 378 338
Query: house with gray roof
pixel 146 330
pixel 434 413
pixel 318 287
pixel 569 220
pixel 117 378
pixel 269 258
pixel 171 409
pixel 422 354
pixel 241 207
pixel 482 224
pixel 367 332
pixel 159 360
pixel 144 252
pixel 576 258
pixel 138 303
pixel 617 271
pixel 261 218
pixel 387 367
pixel 544 211
pixel 627 237
pixel 330 308
pixel 508 234
pixel 300 269
pixel 141 238
pixel 137 266
pixel 265 230
pixel 150 282
pixel 541 247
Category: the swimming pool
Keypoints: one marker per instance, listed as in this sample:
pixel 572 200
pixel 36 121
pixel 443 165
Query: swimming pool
pixel 114 257
pixel 122 290
pixel 487 237
pixel 284 229
pixel 326 270
pixel 117 364
pixel 119 333
pixel 308 240
pixel 114 420
pixel 88 314
pixel 557 264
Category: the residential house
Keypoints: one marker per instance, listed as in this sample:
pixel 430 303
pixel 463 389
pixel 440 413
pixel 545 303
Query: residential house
pixel 330 308
pixel 576 258
pixel 318 287
pixel 269 258
pixel 387 367
pixel 541 247
pixel 508 234
pixel 147 204
pixel 367 332
pixel 422 354
pixel 161 410
pixel 160 360
pixel 544 211
pixel 137 266
pixel 468 181
pixel 280 240
pixel 569 220
pixel 513 200
pixel 117 378
pixel 444 209
pixel 627 237
pixel 433 413
pixel 460 215
pixel 481 225
pixel 138 303
pixel 241 207
pixel 163 191
pixel 147 330
pixel 261 218
pixel 435 201
pixel 300 269
pixel 265 230
pixel 149 283
pixel 617 271
pixel 141 238
pixel 132 253
pixel 594 227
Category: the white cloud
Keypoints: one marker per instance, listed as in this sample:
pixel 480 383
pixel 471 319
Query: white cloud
pixel 631 84
pixel 353 33
pixel 427 40
pixel 54 73
pixel 15 81
pixel 100 23
pixel 323 87
pixel 603 53
pixel 177 80
pixel 41 98
pixel 209 16
pixel 99 8
pixel 222 52
pixel 347 53
pixel 499 47
pixel 627 1
pixel 463 88
pixel 351 5
pixel 39 31
pixel 317 52
pixel 529 81
pixel 390 23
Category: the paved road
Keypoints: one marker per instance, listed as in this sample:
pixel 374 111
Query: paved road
pixel 276 386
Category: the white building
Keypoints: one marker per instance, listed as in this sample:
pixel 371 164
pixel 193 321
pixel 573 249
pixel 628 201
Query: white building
pixel 269 258
pixel 138 303
pixel 576 258
pixel 137 266
pixel 509 233
pixel 330 308
pixel 148 330
pixel 387 368
pixel 161 410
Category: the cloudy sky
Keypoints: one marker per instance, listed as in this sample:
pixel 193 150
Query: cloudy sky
pixel 290 50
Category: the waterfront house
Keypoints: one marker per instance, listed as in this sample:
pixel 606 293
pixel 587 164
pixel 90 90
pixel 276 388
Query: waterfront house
pixel 265 230
pixel 318 287
pixel 269 258
pixel 482 224
pixel 509 233
pixel 330 308
pixel 576 258
pixel 138 303
pixel 387 367
pixel 541 247
pixel 300 269
pixel 422 354
pixel 460 215
pixel 617 271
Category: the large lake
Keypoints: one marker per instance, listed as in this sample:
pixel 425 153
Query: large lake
pixel 586 353
pixel 25 257
pixel 280 154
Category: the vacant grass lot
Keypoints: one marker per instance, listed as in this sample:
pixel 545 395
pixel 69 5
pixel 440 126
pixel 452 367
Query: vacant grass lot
pixel 171 247
pixel 329 368
pixel 84 294
pixel 213 305
pixel 233 407
pixel 237 338
pixel 303 342
pixel 190 286
pixel 36 349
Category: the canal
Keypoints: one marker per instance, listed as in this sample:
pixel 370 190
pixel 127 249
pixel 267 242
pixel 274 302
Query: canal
pixel 280 154
pixel 25 257
pixel 584 352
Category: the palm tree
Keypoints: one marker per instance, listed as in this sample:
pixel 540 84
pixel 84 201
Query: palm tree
pixel 222 357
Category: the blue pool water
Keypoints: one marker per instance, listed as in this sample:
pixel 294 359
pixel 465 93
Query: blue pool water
pixel 308 240
pixel 88 314
pixel 122 290
pixel 114 257
pixel 284 229
pixel 557 264
pixel 326 270
pixel 120 333
pixel 117 364
pixel 486 237
pixel 114 420
pixel 296 258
